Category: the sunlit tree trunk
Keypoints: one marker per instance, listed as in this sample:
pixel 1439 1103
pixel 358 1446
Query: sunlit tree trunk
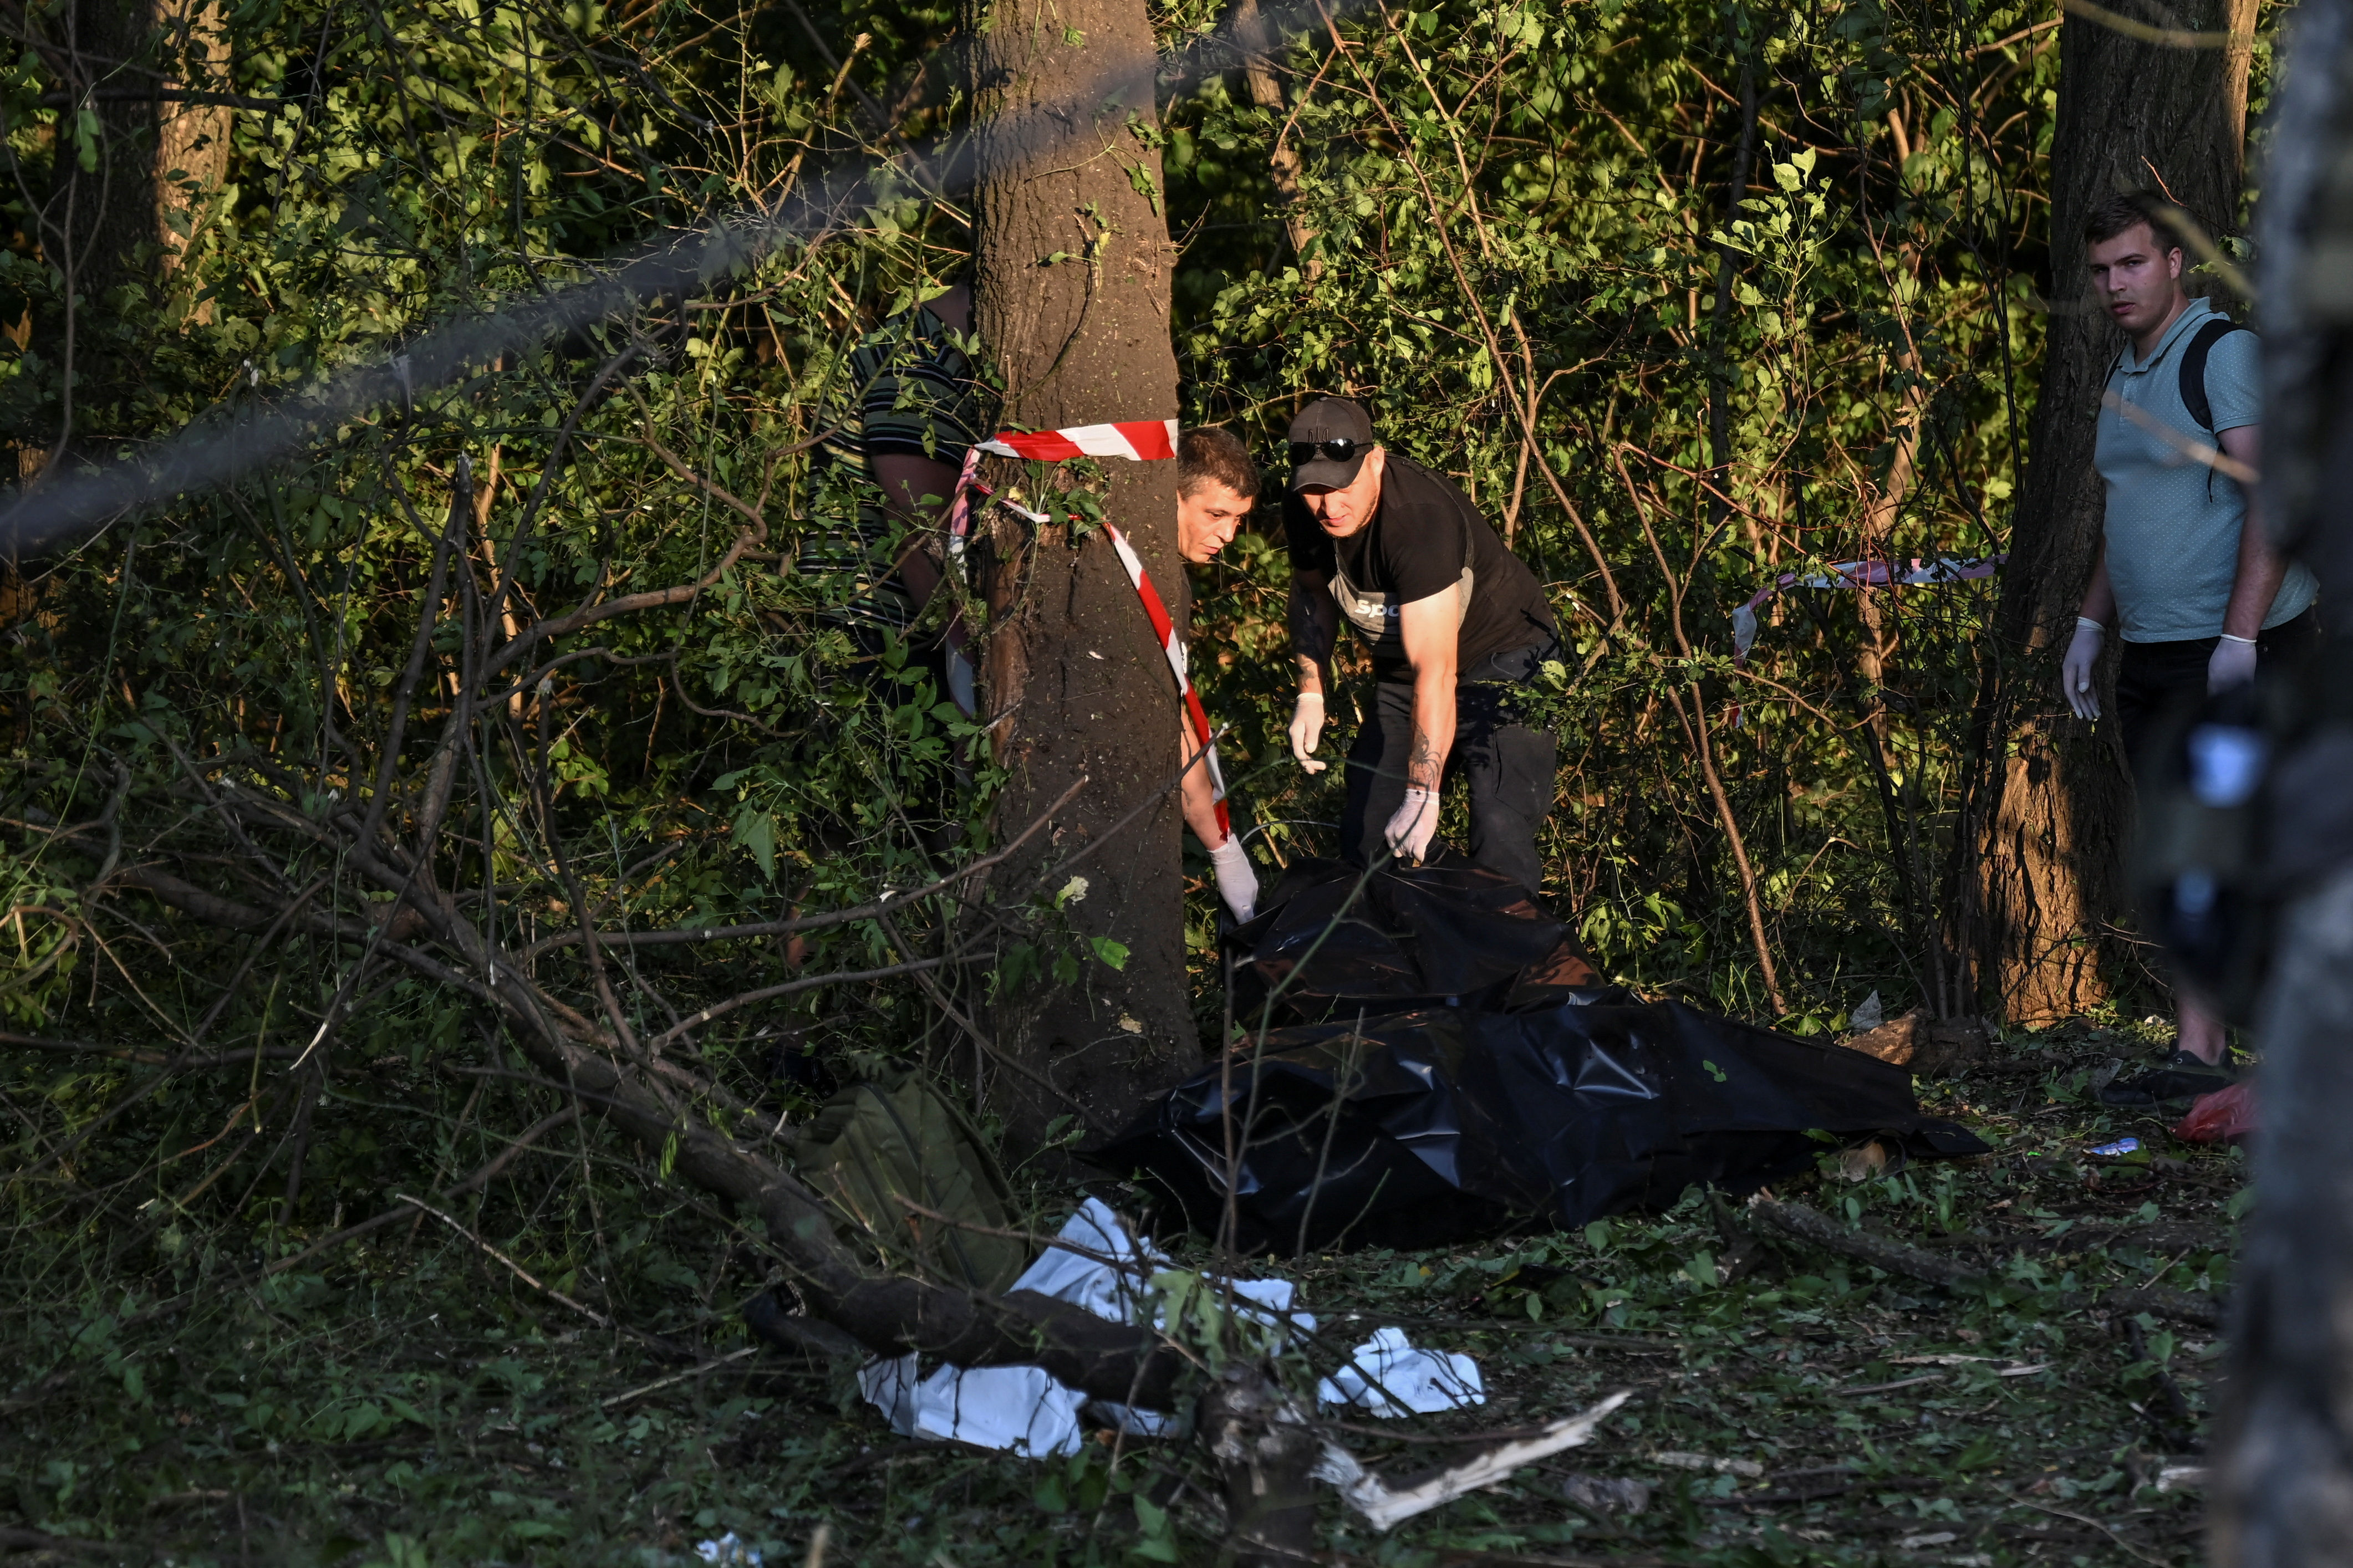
pixel 120 220
pixel 2284 1486
pixel 1071 294
pixel 2053 808
pixel 192 138
pixel 1283 163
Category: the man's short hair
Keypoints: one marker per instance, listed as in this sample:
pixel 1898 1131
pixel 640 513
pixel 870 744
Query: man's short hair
pixel 2127 210
pixel 1211 455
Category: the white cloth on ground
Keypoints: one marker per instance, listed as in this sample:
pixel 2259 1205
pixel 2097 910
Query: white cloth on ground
pixel 1388 1376
pixel 1111 1276
pixel 1022 1410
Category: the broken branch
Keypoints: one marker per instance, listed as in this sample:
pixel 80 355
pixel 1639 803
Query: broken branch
pixel 1897 1258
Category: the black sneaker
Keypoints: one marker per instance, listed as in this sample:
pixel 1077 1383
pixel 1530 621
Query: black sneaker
pixel 2183 1078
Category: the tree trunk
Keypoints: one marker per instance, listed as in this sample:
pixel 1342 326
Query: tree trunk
pixel 2283 1495
pixel 1071 294
pixel 121 222
pixel 2055 805
pixel 1283 163
pixel 192 138
pixel 94 219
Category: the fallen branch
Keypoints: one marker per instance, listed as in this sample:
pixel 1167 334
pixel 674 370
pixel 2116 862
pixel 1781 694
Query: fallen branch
pixel 1383 1506
pixel 138 1057
pixel 517 1269
pixel 891 1315
pixel 811 923
pixel 13 1539
pixel 770 993
pixel 678 1377
pixel 651 1100
pixel 1897 1258
pixel 406 1207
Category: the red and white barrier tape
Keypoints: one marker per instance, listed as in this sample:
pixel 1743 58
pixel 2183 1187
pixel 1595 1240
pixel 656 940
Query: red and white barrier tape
pixel 1910 574
pixel 1138 441
pixel 1165 628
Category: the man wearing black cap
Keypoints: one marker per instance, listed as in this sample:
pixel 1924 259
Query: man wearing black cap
pixel 1456 622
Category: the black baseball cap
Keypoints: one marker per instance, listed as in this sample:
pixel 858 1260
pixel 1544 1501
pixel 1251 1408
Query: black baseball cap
pixel 1329 438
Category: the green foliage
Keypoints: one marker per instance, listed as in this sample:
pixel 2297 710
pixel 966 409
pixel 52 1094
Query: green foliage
pixel 1521 222
pixel 405 1398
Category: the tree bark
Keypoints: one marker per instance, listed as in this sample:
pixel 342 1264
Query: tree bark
pixel 2055 805
pixel 118 221
pixel 2283 1491
pixel 1282 163
pixel 1072 295
pixel 192 138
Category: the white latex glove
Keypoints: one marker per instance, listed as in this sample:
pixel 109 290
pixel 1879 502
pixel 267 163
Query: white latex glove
pixel 2075 669
pixel 1416 822
pixel 1306 724
pixel 2233 663
pixel 1237 883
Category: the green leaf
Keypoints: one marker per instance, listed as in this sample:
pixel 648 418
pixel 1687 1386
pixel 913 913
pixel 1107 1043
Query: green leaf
pixel 1113 953
pixel 756 831
pixel 1157 1542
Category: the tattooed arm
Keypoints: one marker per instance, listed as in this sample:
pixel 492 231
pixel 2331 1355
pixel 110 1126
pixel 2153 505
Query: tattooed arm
pixel 1314 626
pixel 1431 628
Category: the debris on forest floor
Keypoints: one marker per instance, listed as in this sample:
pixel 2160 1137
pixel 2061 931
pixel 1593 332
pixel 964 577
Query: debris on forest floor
pixel 1605 1494
pixel 1097 1264
pixel 1383 1506
pixel 401 1398
pixel 1920 1044
pixel 1895 1256
pixel 2226 1116
pixel 1388 1376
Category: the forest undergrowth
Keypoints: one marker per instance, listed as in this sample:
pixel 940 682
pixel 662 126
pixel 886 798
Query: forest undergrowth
pixel 407 1398
pixel 1692 297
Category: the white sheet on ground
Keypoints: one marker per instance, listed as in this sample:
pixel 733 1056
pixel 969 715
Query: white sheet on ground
pixel 1020 1409
pixel 1388 1376
pixel 1023 1410
pixel 1101 1287
pixel 1111 1275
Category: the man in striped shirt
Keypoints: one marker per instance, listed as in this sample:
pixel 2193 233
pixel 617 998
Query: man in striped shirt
pixel 916 407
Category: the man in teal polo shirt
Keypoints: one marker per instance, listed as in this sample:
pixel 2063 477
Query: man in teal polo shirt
pixel 2187 576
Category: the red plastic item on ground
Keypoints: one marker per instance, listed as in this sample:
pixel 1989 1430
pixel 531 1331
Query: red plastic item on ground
pixel 2224 1116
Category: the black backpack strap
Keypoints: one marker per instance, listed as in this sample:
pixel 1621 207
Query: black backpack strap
pixel 2193 369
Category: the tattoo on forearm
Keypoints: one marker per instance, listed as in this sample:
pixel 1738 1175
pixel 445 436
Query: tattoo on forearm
pixel 1423 767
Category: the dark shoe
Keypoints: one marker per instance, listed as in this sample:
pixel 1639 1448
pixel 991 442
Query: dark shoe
pixel 2183 1078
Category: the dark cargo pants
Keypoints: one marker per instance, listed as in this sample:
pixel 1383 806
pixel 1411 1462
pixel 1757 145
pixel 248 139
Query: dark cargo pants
pixel 2154 678
pixel 1507 766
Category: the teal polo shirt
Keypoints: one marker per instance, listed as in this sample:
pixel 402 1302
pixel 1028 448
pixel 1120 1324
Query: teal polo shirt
pixel 2172 522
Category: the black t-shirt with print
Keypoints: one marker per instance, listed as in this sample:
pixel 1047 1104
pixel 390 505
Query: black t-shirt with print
pixel 1423 533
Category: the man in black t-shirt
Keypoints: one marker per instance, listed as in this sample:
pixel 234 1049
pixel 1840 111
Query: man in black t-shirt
pixel 1455 622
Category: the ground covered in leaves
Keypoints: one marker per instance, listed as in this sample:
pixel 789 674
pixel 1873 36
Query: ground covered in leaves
pixel 406 1399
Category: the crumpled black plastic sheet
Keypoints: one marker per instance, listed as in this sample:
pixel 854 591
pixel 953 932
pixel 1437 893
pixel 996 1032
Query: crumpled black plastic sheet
pixel 1333 941
pixel 1424 1125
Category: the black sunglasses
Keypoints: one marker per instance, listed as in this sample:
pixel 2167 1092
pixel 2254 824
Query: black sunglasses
pixel 1336 451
